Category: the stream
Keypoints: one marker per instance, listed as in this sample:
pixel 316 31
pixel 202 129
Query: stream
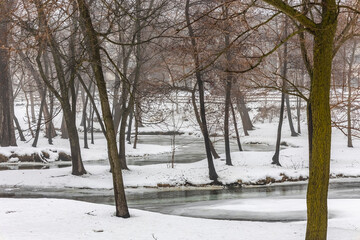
pixel 194 202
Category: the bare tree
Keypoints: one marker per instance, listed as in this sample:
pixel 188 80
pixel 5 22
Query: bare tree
pixel 7 130
pixel 93 49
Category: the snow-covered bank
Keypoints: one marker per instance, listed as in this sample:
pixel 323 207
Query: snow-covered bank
pixel 249 168
pixel 97 151
pixel 66 219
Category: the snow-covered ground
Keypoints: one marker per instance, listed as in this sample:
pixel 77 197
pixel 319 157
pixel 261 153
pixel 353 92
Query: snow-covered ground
pixel 66 219
pixel 97 151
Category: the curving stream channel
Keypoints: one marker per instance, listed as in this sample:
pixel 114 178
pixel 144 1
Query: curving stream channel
pixel 195 202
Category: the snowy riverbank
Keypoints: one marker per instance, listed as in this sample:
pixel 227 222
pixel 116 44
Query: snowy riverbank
pixel 250 167
pixel 66 219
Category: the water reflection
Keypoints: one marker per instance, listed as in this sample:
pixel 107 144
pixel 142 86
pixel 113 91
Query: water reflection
pixel 30 166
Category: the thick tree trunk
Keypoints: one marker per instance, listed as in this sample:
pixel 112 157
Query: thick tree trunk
pixel 7 130
pixel 76 160
pixel 93 49
pixel 319 165
pixel 64 130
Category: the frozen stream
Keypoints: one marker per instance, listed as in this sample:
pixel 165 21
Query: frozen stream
pixel 189 149
pixel 196 203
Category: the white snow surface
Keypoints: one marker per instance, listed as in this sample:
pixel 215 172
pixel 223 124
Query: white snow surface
pixel 67 219
pixel 97 151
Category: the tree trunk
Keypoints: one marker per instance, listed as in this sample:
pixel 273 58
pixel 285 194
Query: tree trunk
pixel 29 118
pixel 132 89
pixel 319 165
pixel 288 110
pixel 137 113
pixel 128 134
pixel 122 143
pixel 227 93
pixel 244 113
pixel 136 133
pixel 212 173
pixel 7 130
pixel 66 86
pixel 84 118
pixel 32 104
pixel 85 128
pixel 275 158
pixel 21 134
pixel 38 127
pixel 51 126
pixel 298 111
pixel 92 126
pixel 349 100
pixel 242 116
pixel 236 128
pixel 226 120
pixel 93 49
pixel 64 130
pixel 76 160
pixel 348 111
pixel 198 119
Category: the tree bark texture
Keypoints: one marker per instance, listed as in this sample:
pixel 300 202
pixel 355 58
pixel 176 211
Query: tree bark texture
pixel 93 49
pixel 7 130
pixel 319 162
